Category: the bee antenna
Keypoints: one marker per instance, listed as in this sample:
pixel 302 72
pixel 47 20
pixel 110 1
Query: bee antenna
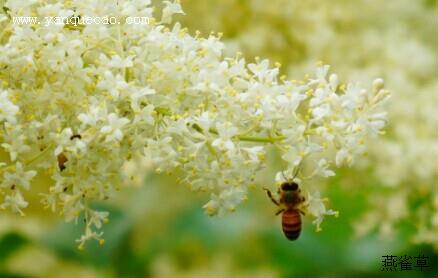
pixel 297 170
pixel 284 177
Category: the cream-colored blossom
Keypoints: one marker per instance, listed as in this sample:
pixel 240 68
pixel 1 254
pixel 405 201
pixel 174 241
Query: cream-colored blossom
pixel 8 110
pixel 91 100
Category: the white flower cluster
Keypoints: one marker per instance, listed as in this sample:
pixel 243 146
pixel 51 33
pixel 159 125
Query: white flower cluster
pixel 93 107
pixel 401 46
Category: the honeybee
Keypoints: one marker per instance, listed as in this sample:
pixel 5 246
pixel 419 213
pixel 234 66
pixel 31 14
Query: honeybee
pixel 290 202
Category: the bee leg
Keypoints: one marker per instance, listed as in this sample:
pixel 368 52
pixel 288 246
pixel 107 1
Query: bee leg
pixel 302 212
pixel 270 196
pixel 279 211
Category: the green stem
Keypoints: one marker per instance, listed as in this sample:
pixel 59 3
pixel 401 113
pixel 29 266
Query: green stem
pixel 30 161
pixel 261 139
pixel 38 156
pixel 246 138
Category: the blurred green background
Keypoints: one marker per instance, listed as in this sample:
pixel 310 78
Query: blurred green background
pixel 160 230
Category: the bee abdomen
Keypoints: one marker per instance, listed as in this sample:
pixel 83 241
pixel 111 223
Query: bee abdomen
pixel 291 224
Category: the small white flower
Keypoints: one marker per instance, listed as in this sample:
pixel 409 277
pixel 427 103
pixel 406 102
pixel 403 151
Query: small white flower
pixel 316 208
pixel 262 71
pixel 19 177
pixel 113 84
pixel 170 9
pixel 89 234
pixel 290 103
pixel 92 117
pixel 8 110
pixel 255 153
pixel 140 95
pixel 72 206
pixel 16 141
pixel 321 112
pixel 96 218
pixel 146 115
pixel 354 96
pixel 227 200
pixel 116 61
pixel 322 169
pixel 114 128
pixel 226 132
pixel 15 202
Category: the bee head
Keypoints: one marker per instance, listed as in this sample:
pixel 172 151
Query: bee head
pixel 289 186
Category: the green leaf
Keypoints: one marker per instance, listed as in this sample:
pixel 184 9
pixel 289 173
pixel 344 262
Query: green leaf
pixel 10 243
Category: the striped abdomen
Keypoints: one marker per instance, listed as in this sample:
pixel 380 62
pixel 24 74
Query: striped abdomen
pixel 291 223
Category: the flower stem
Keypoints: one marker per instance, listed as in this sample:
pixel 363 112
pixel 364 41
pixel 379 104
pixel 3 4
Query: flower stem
pixel 246 138
pixel 28 162
pixel 261 139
